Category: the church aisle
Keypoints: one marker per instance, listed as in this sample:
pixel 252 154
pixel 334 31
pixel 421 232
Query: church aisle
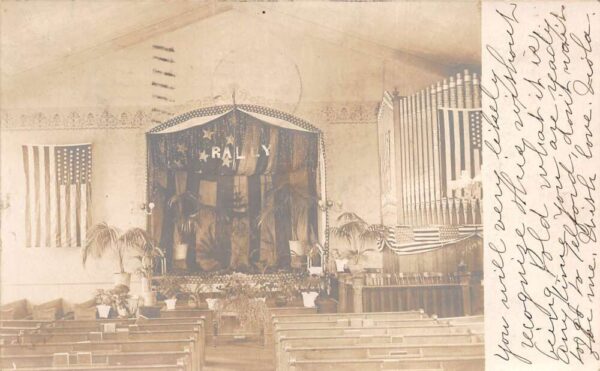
pixel 236 355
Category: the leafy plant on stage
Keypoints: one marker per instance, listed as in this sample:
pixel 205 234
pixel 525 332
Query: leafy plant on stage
pixel 103 238
pixel 172 287
pixel 185 208
pixel 209 248
pixel 356 231
pixel 286 196
pixel 148 257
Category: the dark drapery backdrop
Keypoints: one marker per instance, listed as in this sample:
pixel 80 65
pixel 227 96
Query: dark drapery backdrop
pixel 229 166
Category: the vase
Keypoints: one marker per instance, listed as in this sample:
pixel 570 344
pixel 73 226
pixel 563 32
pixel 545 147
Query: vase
pixel 122 279
pixel 212 303
pixel 308 298
pixel 180 252
pixel 340 265
pixel 171 303
pixel 315 270
pixel 149 298
pixel 145 284
pixel 103 310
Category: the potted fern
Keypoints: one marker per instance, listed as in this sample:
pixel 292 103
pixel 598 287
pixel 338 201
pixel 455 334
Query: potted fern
pixel 103 238
pixel 356 231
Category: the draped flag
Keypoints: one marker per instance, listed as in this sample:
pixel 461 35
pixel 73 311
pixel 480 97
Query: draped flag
pixel 460 143
pixel 58 193
pixel 425 239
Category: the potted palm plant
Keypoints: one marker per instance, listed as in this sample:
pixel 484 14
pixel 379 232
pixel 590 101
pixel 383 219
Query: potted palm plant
pixel 103 238
pixel 289 196
pixel 356 231
pixel 185 207
pixel 149 253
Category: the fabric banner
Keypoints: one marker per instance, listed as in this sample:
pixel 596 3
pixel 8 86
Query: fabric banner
pixel 58 194
pixel 232 162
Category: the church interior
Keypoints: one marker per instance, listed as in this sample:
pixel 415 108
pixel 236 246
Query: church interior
pixel 207 185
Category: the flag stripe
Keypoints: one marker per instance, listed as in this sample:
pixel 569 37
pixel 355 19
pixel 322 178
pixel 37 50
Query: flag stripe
pixel 27 197
pixel 63 215
pixel 42 197
pixel 460 140
pixel 57 194
pixel 73 215
pixel 52 198
pixel 36 177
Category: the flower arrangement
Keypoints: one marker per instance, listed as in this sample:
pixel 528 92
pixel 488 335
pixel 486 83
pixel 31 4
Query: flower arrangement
pixel 171 287
pixel 113 301
pixel 245 297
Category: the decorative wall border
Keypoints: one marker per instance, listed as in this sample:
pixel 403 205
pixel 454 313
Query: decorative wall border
pixel 334 113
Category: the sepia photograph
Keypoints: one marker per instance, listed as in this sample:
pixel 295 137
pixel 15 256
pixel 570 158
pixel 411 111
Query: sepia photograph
pixel 258 186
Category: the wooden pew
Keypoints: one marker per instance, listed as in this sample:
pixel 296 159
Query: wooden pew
pixel 358 339
pixel 467 363
pixel 100 358
pixel 283 311
pixel 18 309
pixel 389 350
pixel 50 310
pixel 24 322
pixel 18 329
pixel 180 366
pixel 357 322
pixel 136 326
pixel 405 329
pixel 335 316
pixel 115 346
pixel 131 332
pixel 206 317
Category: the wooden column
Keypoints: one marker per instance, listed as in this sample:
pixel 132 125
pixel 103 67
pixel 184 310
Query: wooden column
pixel 465 284
pixel 358 282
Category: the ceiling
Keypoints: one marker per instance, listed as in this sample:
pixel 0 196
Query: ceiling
pixel 44 38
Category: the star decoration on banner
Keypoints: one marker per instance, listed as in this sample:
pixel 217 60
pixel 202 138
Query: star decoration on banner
pixel 227 161
pixel 230 139
pixel 208 134
pixel 203 156
pixel 181 148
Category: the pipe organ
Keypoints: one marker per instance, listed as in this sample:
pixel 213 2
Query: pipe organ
pixel 430 154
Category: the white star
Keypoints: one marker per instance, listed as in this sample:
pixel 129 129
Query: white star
pixel 208 134
pixel 203 156
pixel 227 161
pixel 230 139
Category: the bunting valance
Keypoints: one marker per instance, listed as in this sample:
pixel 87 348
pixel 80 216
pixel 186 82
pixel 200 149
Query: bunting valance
pixel 234 142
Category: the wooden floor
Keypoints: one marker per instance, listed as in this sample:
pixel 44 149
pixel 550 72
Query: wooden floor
pixel 242 356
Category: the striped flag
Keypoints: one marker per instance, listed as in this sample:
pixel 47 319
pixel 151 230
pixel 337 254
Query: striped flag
pixel 460 144
pixel 58 193
pixel 426 239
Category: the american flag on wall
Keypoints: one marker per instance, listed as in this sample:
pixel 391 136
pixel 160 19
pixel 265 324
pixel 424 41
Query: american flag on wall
pixel 58 194
pixel 460 143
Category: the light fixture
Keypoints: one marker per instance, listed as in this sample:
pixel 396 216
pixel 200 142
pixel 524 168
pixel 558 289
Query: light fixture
pixel 147 208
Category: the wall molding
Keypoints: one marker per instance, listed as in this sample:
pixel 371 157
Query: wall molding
pixel 86 118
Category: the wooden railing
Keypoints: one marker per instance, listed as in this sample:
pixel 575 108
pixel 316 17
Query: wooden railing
pixel 448 295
